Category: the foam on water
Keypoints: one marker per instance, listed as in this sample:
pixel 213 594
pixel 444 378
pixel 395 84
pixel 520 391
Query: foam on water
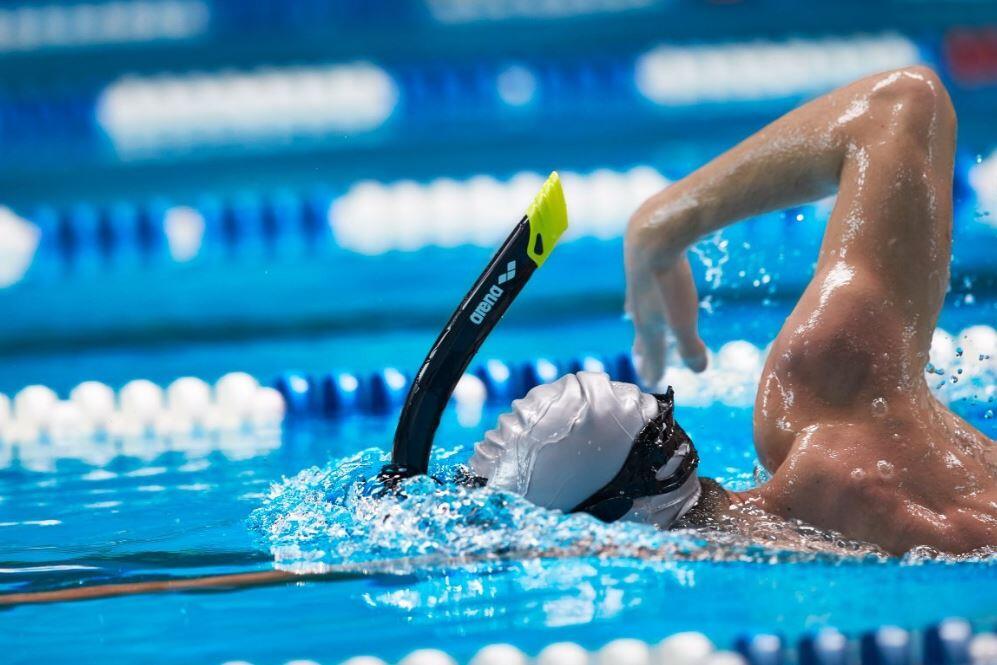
pixel 340 514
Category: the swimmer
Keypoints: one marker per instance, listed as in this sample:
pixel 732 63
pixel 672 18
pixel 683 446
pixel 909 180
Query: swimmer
pixel 844 421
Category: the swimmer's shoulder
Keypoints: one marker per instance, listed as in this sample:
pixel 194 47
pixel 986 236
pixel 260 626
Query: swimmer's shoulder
pixel 830 479
pixel 867 483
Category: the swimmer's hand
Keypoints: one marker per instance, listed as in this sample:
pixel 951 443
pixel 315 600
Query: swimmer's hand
pixel 661 296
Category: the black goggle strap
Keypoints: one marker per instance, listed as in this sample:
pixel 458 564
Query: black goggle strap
pixel 653 447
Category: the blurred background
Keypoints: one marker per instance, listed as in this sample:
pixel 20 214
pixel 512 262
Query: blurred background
pixel 197 186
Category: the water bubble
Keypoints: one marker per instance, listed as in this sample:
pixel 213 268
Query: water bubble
pixel 879 407
pixel 958 351
pixel 989 414
pixel 341 513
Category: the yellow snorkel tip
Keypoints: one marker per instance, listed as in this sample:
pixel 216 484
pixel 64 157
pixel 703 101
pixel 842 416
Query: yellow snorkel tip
pixel 548 217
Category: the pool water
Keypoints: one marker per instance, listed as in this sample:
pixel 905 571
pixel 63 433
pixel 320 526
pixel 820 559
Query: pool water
pixel 203 235
pixel 206 506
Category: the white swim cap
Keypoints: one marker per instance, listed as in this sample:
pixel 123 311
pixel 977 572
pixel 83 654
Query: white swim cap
pixel 570 445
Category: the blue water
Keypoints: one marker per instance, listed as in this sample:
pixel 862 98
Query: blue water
pixel 275 292
pixel 210 506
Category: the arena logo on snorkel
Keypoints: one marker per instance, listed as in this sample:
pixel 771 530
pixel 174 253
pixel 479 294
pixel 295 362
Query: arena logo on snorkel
pixel 486 304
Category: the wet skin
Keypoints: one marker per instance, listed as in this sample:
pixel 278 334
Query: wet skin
pixel 843 419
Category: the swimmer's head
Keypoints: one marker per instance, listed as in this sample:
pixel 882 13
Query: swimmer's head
pixel 587 443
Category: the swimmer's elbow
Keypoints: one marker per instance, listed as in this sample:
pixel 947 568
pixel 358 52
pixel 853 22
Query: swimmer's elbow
pixel 915 102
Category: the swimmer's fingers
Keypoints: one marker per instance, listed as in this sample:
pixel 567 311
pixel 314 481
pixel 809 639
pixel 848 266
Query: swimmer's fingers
pixel 681 310
pixel 647 313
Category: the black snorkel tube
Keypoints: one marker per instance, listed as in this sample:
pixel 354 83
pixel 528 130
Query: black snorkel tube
pixel 525 250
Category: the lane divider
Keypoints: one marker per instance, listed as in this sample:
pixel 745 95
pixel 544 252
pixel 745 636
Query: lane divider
pixel 951 641
pixel 147 115
pixel 963 367
pixel 371 218
pixel 35 26
pixel 126 231
pixel 141 409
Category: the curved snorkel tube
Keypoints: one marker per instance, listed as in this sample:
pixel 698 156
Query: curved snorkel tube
pixel 525 250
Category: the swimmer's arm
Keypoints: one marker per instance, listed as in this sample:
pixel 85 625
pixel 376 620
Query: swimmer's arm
pixel 797 158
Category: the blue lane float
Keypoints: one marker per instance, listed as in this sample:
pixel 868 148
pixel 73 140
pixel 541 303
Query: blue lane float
pixel 888 645
pixel 82 229
pixel 535 373
pixel 296 389
pixel 382 391
pixel 498 380
pixel 825 647
pixel 340 394
pixel 761 649
pixel 120 222
pixel 948 642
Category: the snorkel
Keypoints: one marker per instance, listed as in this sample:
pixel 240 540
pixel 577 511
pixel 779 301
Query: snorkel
pixel 525 250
